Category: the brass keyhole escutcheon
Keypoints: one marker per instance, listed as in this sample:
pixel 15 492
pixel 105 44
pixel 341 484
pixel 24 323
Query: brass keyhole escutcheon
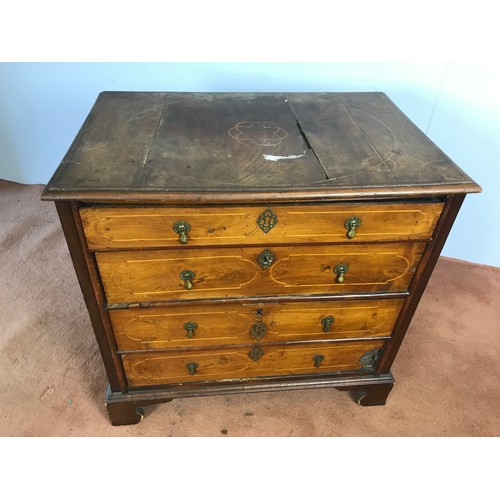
pixel 317 360
pixel 190 327
pixel 258 330
pixel 267 220
pixel 340 270
pixel 256 353
pixel 327 323
pixel 182 227
pixel 265 258
pixel 352 223
pixel 187 276
pixel 192 367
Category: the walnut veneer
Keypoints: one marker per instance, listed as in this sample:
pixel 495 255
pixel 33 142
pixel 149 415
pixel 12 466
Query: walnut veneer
pixel 232 243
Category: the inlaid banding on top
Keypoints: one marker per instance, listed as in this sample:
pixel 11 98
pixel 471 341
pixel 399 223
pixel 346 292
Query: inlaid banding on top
pixel 257 133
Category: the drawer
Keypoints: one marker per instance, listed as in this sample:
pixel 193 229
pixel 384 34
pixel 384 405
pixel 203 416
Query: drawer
pixel 144 369
pixel 157 275
pixel 194 325
pixel 110 228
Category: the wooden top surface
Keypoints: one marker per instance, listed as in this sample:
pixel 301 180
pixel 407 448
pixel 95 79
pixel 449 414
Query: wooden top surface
pixel 199 147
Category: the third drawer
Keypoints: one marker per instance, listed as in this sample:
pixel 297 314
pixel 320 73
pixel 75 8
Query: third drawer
pixel 224 324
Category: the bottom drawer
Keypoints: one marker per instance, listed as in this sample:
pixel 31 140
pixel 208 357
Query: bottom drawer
pixel 243 362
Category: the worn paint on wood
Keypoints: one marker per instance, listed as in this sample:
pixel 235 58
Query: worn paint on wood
pixel 149 142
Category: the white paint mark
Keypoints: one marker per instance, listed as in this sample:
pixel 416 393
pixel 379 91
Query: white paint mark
pixel 276 158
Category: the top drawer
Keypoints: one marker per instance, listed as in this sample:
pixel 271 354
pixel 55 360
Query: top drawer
pixel 123 227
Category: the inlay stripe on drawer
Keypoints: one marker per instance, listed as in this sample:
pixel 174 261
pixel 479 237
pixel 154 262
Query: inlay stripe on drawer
pixel 121 227
pixel 157 275
pixel 143 369
pixel 192 325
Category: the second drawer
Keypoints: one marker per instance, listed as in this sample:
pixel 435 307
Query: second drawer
pixel 158 275
pixel 195 325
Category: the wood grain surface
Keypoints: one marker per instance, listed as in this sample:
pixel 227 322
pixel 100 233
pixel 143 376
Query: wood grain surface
pixel 251 297
pixel 140 227
pixel 145 369
pixel 150 143
pixel 162 328
pixel 234 272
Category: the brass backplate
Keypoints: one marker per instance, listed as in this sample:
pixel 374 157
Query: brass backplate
pixel 267 220
pixel 258 330
pixel 265 258
pixel 256 353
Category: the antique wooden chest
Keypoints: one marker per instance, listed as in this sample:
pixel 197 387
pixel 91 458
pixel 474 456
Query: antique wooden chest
pixel 251 242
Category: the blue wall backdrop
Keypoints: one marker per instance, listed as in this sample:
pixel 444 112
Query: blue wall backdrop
pixel 42 106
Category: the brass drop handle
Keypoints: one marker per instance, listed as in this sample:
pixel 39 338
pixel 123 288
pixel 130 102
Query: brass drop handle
pixel 327 322
pixel 192 367
pixel 352 223
pixel 182 227
pixel 187 276
pixel 258 330
pixel 190 327
pixel 317 360
pixel 340 270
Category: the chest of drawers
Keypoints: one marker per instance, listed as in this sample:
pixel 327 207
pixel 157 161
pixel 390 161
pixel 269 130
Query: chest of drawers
pixel 232 243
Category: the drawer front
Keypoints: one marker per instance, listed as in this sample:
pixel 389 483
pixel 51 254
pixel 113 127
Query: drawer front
pixel 193 326
pixel 258 361
pixel 110 228
pixel 234 272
